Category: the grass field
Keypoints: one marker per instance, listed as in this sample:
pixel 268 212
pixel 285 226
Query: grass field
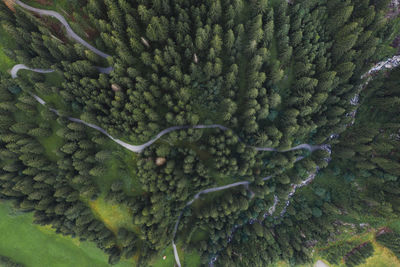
pixel 382 256
pixel 121 166
pixel 187 259
pixel 37 246
pixel 113 215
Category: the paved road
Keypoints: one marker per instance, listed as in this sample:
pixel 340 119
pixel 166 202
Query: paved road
pixel 19 67
pixel 14 71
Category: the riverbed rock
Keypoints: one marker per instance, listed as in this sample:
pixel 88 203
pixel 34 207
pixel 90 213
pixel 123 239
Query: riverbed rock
pixel 160 161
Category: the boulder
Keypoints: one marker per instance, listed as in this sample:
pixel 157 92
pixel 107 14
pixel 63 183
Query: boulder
pixel 160 161
pixel 115 87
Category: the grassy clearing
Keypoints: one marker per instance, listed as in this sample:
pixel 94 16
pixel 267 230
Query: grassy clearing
pixel 54 80
pixel 113 215
pixel 222 179
pixel 52 143
pixel 169 260
pixel 382 257
pixel 5 62
pixel 199 235
pixel 5 41
pixel 395 225
pixel 37 246
pixel 189 258
pixel 122 165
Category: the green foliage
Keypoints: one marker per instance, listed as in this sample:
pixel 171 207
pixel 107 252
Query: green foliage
pixel 277 74
pixel 336 252
pixel 391 240
pixel 359 254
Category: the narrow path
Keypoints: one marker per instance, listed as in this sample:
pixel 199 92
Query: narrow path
pixel 14 71
pixel 18 67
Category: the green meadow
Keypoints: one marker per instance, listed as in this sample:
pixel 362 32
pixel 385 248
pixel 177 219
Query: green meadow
pixel 38 246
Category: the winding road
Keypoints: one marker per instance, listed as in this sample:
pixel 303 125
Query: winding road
pixel 59 17
pixel 14 71
pixel 18 67
pixel 387 64
pixel 140 148
pixel 133 148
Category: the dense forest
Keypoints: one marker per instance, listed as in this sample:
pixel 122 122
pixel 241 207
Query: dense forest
pixel 275 74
